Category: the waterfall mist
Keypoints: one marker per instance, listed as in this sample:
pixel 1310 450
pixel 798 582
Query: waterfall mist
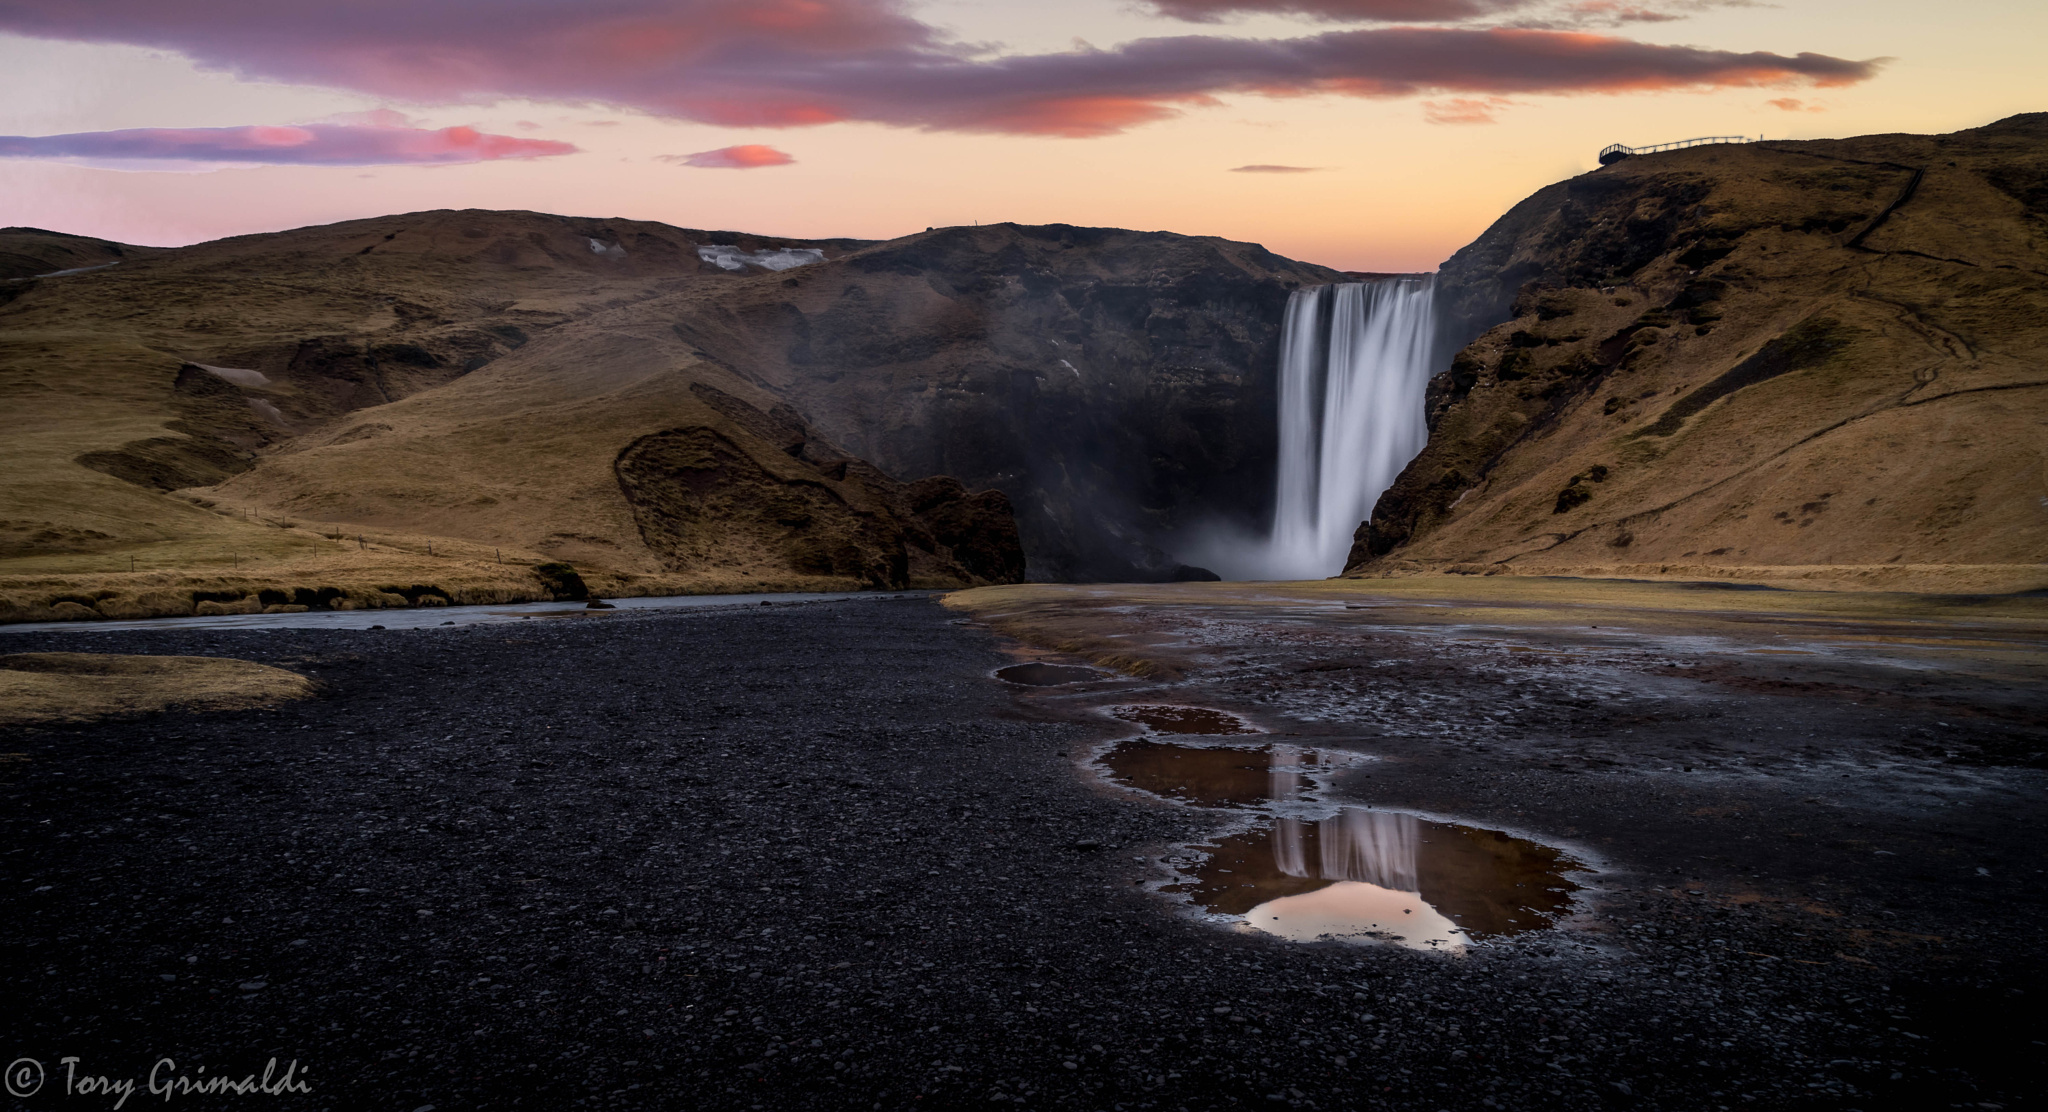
pixel 1354 362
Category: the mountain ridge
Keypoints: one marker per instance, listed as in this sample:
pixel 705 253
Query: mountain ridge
pixel 405 401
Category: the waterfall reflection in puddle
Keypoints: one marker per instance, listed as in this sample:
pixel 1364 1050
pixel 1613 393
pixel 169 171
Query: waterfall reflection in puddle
pixel 1351 874
pixel 1217 776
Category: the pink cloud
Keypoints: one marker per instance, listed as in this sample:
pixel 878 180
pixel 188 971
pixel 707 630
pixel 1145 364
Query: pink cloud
pixel 1794 104
pixel 1266 168
pixel 788 63
pixel 322 144
pixel 748 156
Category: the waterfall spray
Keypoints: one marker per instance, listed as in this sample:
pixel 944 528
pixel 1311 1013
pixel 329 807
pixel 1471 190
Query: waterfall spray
pixel 1354 361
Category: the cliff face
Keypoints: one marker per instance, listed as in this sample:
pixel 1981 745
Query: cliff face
pixel 1745 360
pixel 1112 383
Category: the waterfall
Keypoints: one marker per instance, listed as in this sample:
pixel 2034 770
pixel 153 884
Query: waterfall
pixel 1354 361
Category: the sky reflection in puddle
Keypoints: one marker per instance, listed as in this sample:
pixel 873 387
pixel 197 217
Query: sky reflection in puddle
pixel 1166 718
pixel 1351 874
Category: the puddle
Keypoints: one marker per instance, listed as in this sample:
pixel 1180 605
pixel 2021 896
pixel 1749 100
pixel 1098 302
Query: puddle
pixel 1218 776
pixel 1168 719
pixel 1360 876
pixel 1036 674
pixel 1350 874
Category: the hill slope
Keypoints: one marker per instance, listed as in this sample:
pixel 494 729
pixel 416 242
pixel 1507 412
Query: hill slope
pixel 428 405
pixel 1816 358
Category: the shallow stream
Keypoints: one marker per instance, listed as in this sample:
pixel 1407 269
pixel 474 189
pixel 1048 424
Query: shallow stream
pixel 424 617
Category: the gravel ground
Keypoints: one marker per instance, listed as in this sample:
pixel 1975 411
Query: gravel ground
pixel 813 856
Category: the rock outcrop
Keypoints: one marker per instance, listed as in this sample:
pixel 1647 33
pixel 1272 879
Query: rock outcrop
pixel 699 495
pixel 1748 360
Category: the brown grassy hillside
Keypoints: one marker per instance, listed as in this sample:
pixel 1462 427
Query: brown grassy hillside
pixel 1820 359
pixel 210 370
pixel 428 406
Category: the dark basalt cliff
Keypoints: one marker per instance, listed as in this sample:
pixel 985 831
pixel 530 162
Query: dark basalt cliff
pixel 1113 383
pixel 1770 356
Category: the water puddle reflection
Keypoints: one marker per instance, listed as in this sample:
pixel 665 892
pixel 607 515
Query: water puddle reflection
pixel 1362 875
pixel 1036 674
pixel 1309 872
pixel 1170 719
pixel 1219 776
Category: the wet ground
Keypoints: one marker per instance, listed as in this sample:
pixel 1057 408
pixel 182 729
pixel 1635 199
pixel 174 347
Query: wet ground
pixel 819 856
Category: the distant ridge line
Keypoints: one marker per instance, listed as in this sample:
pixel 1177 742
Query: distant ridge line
pixel 1615 152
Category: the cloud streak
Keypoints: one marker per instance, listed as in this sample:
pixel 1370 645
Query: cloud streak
pixel 747 156
pixel 1464 110
pixel 1337 11
pixel 322 144
pixel 1268 168
pixel 786 63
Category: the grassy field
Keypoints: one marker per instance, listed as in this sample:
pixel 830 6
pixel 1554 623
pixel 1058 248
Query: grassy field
pixel 70 687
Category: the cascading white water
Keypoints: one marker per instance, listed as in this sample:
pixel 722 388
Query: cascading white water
pixel 1350 415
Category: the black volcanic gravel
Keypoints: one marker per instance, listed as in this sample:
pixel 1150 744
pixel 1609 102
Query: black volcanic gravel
pixel 814 857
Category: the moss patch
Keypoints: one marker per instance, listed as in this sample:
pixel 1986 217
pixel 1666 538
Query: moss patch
pixel 70 687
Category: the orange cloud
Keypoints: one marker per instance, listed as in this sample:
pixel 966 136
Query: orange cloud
pixel 747 156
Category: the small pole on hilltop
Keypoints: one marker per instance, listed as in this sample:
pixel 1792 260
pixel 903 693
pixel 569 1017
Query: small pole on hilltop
pixel 359 542
pixel 430 548
pixel 499 555
pixel 131 563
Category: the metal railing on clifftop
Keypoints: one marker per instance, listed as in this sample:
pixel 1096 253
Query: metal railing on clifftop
pixel 1615 152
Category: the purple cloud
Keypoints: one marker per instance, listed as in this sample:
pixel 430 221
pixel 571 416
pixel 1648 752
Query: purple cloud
pixel 782 63
pixel 1267 168
pixel 323 144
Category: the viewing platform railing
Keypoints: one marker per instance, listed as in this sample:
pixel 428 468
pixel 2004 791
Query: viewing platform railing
pixel 1615 152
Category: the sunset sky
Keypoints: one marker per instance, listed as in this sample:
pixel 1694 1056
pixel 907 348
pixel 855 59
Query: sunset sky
pixel 1362 134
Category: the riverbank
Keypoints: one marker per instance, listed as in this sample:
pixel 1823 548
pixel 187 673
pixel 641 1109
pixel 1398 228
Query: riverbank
pixel 340 578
